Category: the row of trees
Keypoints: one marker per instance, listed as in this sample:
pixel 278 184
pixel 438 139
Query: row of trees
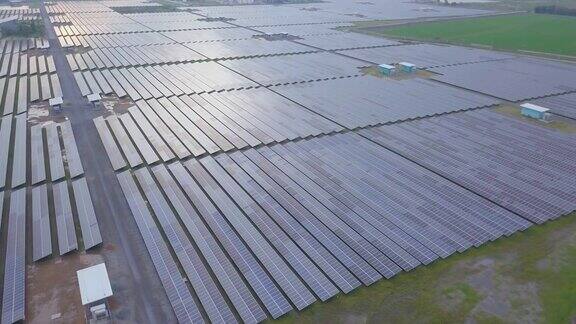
pixel 26 28
pixel 555 10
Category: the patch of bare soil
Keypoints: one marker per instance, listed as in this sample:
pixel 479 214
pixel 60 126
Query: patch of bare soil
pixel 52 289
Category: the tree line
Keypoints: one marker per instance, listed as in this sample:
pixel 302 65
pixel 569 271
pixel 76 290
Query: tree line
pixel 555 10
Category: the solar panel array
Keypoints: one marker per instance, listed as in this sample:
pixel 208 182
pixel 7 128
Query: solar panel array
pixel 162 80
pixel 339 41
pixel 114 40
pixel 13 296
pixel 27 74
pixel 332 11
pixel 205 124
pixel 101 58
pixel 311 213
pixel 277 70
pixel 426 55
pixel 367 101
pixel 55 179
pixel 23 13
pixel 514 80
pixel 241 160
pixel 520 166
pixel 564 105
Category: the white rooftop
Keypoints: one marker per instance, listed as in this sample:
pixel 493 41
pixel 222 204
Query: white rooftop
pixel 94 283
pixel 386 66
pixel 55 101
pixel 534 107
pixel 93 97
pixel 407 64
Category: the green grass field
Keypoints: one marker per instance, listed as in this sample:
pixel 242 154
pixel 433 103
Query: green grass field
pixel 530 32
pixel 527 278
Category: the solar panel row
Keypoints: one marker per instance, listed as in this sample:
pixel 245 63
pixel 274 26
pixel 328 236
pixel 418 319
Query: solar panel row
pixel 41 237
pixel 21 63
pixel 13 297
pixel 161 80
pixel 88 223
pixel 426 55
pixel 251 47
pixel 115 57
pixel 114 40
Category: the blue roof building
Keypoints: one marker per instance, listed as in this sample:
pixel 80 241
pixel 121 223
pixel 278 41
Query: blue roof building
pixel 387 69
pixel 534 111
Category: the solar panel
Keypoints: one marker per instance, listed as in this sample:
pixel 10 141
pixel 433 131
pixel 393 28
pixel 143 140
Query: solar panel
pixel 139 139
pixel 123 139
pixel 72 157
pixel 41 236
pixel 54 152
pixel 45 87
pixel 34 92
pixel 56 88
pixel 64 222
pixel 164 131
pixel 13 300
pixel 5 130
pixel 86 215
pixel 22 104
pixel 156 140
pixel 514 80
pixel 1 206
pixel 37 154
pixel 19 153
pixel 110 146
pixel 10 97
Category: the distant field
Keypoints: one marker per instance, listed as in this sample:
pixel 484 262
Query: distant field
pixel 527 278
pixel 530 32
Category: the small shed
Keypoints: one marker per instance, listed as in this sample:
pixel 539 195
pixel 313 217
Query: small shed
pixel 56 103
pixel 407 67
pixel 387 69
pixel 94 99
pixel 534 111
pixel 95 289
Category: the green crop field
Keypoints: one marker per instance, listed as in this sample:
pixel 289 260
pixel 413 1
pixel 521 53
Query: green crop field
pixel 527 278
pixel 529 32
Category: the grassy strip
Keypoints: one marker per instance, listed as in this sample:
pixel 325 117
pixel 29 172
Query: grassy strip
pixel 529 277
pixel 529 32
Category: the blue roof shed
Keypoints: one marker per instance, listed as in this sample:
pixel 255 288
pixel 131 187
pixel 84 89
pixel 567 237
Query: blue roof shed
pixel 387 69
pixel 533 111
